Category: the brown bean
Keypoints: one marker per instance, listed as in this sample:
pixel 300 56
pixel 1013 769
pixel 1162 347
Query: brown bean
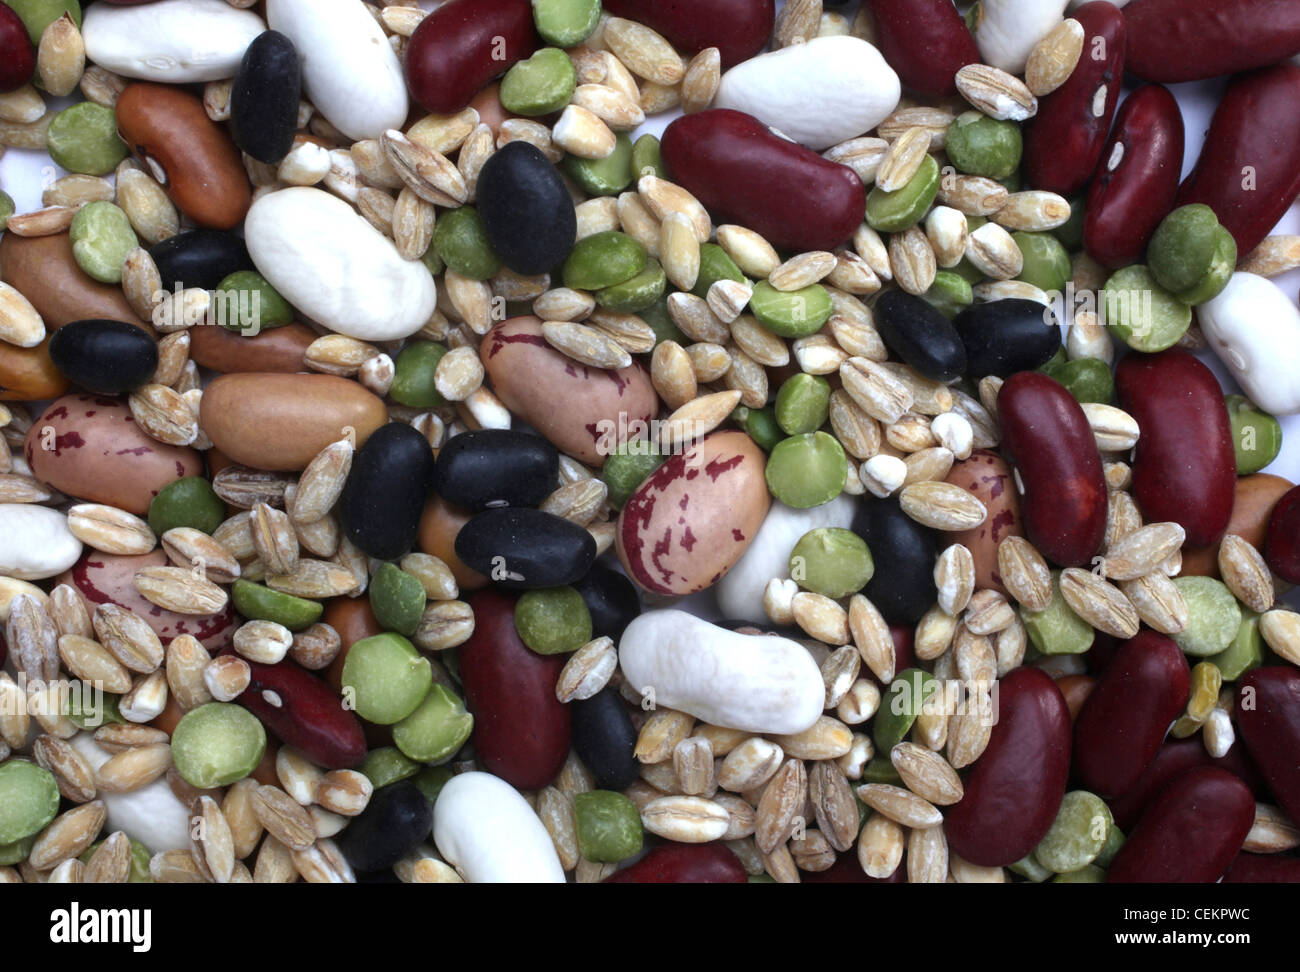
pixel 1253 501
pixel 488 105
pixel 43 269
pixel 168 129
pixel 28 374
pixel 279 349
pixel 439 525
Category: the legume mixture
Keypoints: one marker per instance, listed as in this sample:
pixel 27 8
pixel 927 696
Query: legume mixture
pixel 412 465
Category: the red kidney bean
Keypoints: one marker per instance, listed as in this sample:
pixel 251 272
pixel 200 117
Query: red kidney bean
pixel 1282 545
pixel 1263 869
pixel 1249 169
pixel 1124 720
pixel 1015 788
pixel 744 174
pixel 1136 181
pixel 1103 651
pixel 737 28
pixel 1184 469
pixel 1268 718
pixel 1188 40
pixel 848 870
pixel 305 713
pixel 521 731
pixel 1190 833
pixel 17 55
pixel 1175 757
pixel 462 46
pixel 709 863
pixel 1047 436
pixel 904 637
pixel 925 41
pixel 1063 141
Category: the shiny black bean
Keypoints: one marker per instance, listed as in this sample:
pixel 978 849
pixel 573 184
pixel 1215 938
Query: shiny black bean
pixel 1006 336
pixel 264 97
pixel 611 598
pixel 496 467
pixel 902 588
pixel 386 489
pixel 919 334
pixel 397 818
pixel 106 357
pixel 525 549
pixel 199 258
pixel 526 210
pixel 605 739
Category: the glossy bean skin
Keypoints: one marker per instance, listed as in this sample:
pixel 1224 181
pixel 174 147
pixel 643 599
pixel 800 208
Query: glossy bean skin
pixel 605 739
pixel 710 863
pixel 526 210
pixel 462 46
pixel 1047 436
pixel 737 28
pixel 305 713
pixel 264 97
pixel 1187 40
pixel 1175 757
pixel 1124 721
pixel 1268 718
pixel 1076 689
pixel 1127 200
pixel 28 374
pixel 1253 502
pixel 744 174
pixel 1006 336
pixel 44 270
pixel 494 467
pixel 440 524
pixel 525 549
pixel 925 41
pixel 1263 869
pixel 1015 788
pixel 521 731
pixel 905 591
pixel 1184 469
pixel 1064 140
pixel 1282 546
pixel 611 599
pixel 919 334
pixel 279 349
pixel 105 357
pixel 204 176
pixel 1190 833
pixel 847 869
pixel 199 258
pixel 17 55
pixel 396 819
pixel 385 491
pixel 1255 131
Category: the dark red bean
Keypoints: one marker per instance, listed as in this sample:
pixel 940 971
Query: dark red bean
pixel 1190 833
pixel 1188 40
pixel 1184 469
pixel 744 174
pixel 1136 180
pixel 684 864
pixel 925 41
pixel 17 55
pixel 904 637
pixel 1249 168
pixel 848 870
pixel 737 28
pixel 1268 718
pixel 521 731
pixel 462 46
pixel 305 713
pixel 1124 720
pixel 1064 140
pixel 1175 757
pixel 1282 546
pixel 1015 788
pixel 1047 436
pixel 1263 869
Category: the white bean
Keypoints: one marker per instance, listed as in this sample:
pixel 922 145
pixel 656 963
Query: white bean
pixel 490 834
pixel 151 814
pixel 35 541
pixel 1254 328
pixel 175 41
pixel 1009 29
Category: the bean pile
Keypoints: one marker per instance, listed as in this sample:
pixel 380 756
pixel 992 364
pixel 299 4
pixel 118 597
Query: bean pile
pixel 374 384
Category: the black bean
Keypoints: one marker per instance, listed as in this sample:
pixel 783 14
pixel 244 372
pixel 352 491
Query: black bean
pixel 525 549
pixel 397 818
pixel 264 97
pixel 902 588
pixel 106 357
pixel 526 210
pixel 1006 336
pixel 605 739
pixel 496 467
pixel 919 334
pixel 199 258
pixel 611 598
pixel 386 490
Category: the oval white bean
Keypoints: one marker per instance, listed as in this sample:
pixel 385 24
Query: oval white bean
pixel 1009 29
pixel 740 592
pixel 758 683
pixel 490 834
pixel 337 268
pixel 175 41
pixel 1254 328
pixel 349 70
pixel 35 541
pixel 151 814
pixel 820 93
